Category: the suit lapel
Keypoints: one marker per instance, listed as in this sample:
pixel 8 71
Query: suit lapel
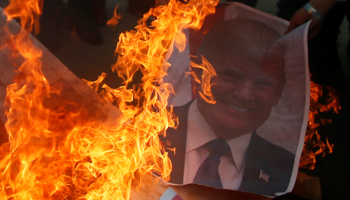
pixel 253 167
pixel 267 169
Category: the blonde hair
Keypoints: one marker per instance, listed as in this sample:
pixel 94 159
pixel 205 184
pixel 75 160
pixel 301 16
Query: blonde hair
pixel 245 38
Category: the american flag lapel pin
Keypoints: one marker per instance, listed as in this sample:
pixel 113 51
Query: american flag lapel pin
pixel 264 176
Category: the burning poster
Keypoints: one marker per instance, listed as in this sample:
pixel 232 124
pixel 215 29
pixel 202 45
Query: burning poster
pixel 64 141
pixel 67 142
pixel 242 104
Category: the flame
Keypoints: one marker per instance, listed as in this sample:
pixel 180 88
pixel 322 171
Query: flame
pixel 96 84
pixel 313 138
pixel 208 75
pixel 55 151
pixel 28 12
pixel 116 17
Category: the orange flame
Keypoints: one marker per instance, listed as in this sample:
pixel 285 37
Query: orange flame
pixel 208 73
pixel 55 150
pixel 312 137
pixel 96 84
pixel 115 19
pixel 28 11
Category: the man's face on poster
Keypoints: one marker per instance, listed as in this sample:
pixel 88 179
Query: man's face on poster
pixel 247 88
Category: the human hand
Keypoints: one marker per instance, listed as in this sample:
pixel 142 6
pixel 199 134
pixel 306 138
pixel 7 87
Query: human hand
pixel 300 17
pixel 297 20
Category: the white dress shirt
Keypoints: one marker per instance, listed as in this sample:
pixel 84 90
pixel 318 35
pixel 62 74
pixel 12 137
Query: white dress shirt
pixel 199 132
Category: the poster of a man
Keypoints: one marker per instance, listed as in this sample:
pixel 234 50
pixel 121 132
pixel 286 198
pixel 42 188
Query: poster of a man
pixel 219 144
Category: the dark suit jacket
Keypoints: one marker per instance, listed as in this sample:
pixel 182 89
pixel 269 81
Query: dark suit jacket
pixel 273 160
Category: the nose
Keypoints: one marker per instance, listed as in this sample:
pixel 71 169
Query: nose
pixel 244 90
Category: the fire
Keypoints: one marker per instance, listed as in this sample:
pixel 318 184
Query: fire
pixel 312 137
pixel 28 12
pixel 96 84
pixel 208 75
pixel 55 151
pixel 116 17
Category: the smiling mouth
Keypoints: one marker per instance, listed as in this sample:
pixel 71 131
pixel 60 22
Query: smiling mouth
pixel 239 109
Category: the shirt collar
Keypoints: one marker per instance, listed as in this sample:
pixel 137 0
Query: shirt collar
pixel 199 133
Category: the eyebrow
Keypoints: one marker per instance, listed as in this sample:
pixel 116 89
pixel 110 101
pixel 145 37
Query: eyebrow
pixel 264 77
pixel 234 69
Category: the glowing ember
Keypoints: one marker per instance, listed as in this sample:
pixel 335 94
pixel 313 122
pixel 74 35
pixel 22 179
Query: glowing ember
pixel 312 138
pixel 54 151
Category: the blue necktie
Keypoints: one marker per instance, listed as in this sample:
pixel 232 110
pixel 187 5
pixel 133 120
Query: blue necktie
pixel 208 172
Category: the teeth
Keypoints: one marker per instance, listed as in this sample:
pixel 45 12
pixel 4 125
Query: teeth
pixel 239 109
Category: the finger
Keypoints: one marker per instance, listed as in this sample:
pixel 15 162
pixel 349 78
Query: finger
pixel 292 25
pixel 299 18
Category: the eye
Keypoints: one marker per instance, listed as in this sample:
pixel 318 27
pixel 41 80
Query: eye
pixel 230 76
pixel 263 83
